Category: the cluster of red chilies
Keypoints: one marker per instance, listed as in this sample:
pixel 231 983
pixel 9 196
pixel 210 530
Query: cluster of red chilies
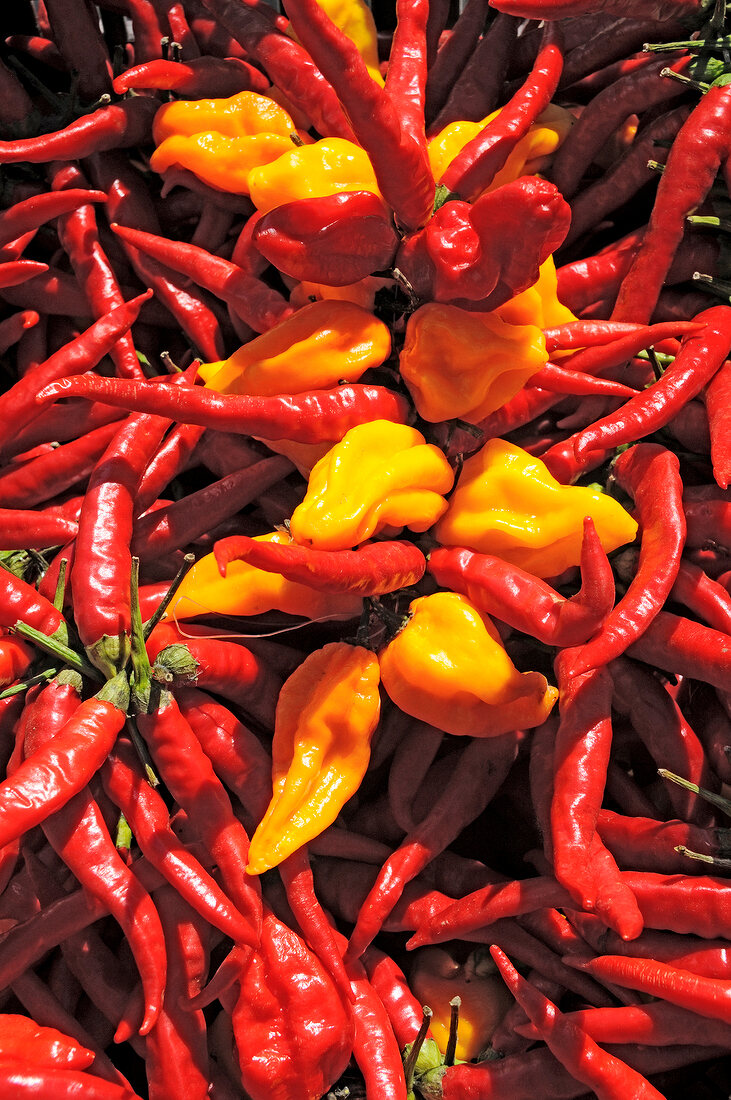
pixel 574 874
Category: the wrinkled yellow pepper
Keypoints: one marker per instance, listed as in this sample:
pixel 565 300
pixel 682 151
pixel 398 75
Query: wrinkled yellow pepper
pixel 380 475
pixel 249 591
pixel 326 714
pixel 462 364
pixel 447 666
pixel 539 304
pixel 531 154
pixel 221 140
pixel 310 172
pixel 507 503
pixel 313 349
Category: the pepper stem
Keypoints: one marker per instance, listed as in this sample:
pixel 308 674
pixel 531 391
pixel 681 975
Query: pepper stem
pixel 57 649
pixel 451 1050
pixel 717 800
pixel 715 861
pixel 39 678
pixel 411 1057
pixel 168 597
pixel 141 669
pixel 59 594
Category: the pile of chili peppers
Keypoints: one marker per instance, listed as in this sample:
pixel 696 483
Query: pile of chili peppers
pixel 365 550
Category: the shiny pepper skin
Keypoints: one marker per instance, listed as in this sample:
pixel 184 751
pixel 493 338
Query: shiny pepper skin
pixel 317 347
pixel 447 666
pixel 246 590
pixel 312 171
pixel 221 140
pixel 380 475
pixel 461 364
pixel 507 503
pixel 326 714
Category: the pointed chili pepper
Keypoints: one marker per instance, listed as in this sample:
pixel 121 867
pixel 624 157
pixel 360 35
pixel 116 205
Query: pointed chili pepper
pixel 718 404
pixel 684 647
pixel 116 126
pixel 313 417
pixel 198 77
pixel 34 211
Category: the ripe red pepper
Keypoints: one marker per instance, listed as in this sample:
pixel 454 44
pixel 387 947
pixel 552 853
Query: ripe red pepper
pixel 197 77
pixel 117 126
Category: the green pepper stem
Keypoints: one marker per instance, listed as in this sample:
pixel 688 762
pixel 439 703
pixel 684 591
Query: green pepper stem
pixel 168 597
pixel 57 649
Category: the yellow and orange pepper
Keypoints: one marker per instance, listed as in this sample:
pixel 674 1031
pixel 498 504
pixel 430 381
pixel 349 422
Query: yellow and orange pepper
pixel 448 667
pixel 311 171
pixel 326 714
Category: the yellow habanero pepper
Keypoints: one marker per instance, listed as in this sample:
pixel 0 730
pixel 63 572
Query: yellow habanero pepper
pixel 531 154
pixel 462 364
pixel 326 714
pixel 447 666
pixel 221 140
pixel 247 591
pixel 539 304
pixel 507 503
pixel 380 475
pixel 310 172
pixel 313 349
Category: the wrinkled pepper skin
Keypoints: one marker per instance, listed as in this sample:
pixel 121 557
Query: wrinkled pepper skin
pixel 507 503
pixel 326 714
pixel 380 475
pixel 294 1035
pixel 466 253
pixel 310 172
pixel 221 140
pixel 461 364
pixel 318 346
pixel 336 240
pixel 448 667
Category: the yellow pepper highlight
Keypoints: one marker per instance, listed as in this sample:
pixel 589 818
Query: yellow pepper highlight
pixel 457 363
pixel 221 140
pixel 531 154
pixel 326 714
pixel 380 475
pixel 248 591
pixel 318 346
pixel 447 666
pixel 325 167
pixel 507 503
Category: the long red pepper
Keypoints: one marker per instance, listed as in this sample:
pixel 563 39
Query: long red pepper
pixel 476 165
pixel 50 474
pixel 644 844
pixel 76 32
pixel 32 212
pixel 27 530
pixel 706 598
pixel 197 77
pixel 117 126
pixel 391 985
pixel 657 1023
pixel 684 647
pixel 371 570
pixel 526 603
pixel 477 89
pixel 305 418
pixel 396 151
pixel 453 55
pixel 718 404
pixel 610 1078
pixel 652 475
pixel 81 354
pixel 19 601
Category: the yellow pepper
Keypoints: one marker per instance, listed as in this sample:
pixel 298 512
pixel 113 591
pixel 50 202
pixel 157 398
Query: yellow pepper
pixel 312 171
pixel 380 475
pixel 326 714
pixel 436 977
pixel 221 140
pixel 313 349
pixel 462 364
pixel 447 666
pixel 507 503
pixel 355 20
pixel 247 591
pixel 362 293
pixel 531 154
pixel 539 304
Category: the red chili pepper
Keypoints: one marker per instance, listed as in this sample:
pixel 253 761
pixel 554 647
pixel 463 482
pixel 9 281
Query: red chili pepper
pixel 644 844
pixel 684 647
pixel 189 775
pixel 19 602
pixel 15 272
pixel 78 356
pixel 78 36
pixel 174 455
pixel 117 126
pixel 610 1078
pixel 38 48
pixel 19 1081
pixel 482 271
pixel 392 987
pixel 31 213
pixel 526 603
pixel 27 530
pixel 13 327
pixel 566 380
pixel 708 521
pixel 372 570
pixel 706 598
pixel 393 138
pixel 50 474
pixel 286 63
pixel 306 418
pixel 335 240
pixel 257 304
pixel 17 105
pixel 718 404
pixel 470 788
pixel 703 143
pixel 475 167
pixel 651 474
